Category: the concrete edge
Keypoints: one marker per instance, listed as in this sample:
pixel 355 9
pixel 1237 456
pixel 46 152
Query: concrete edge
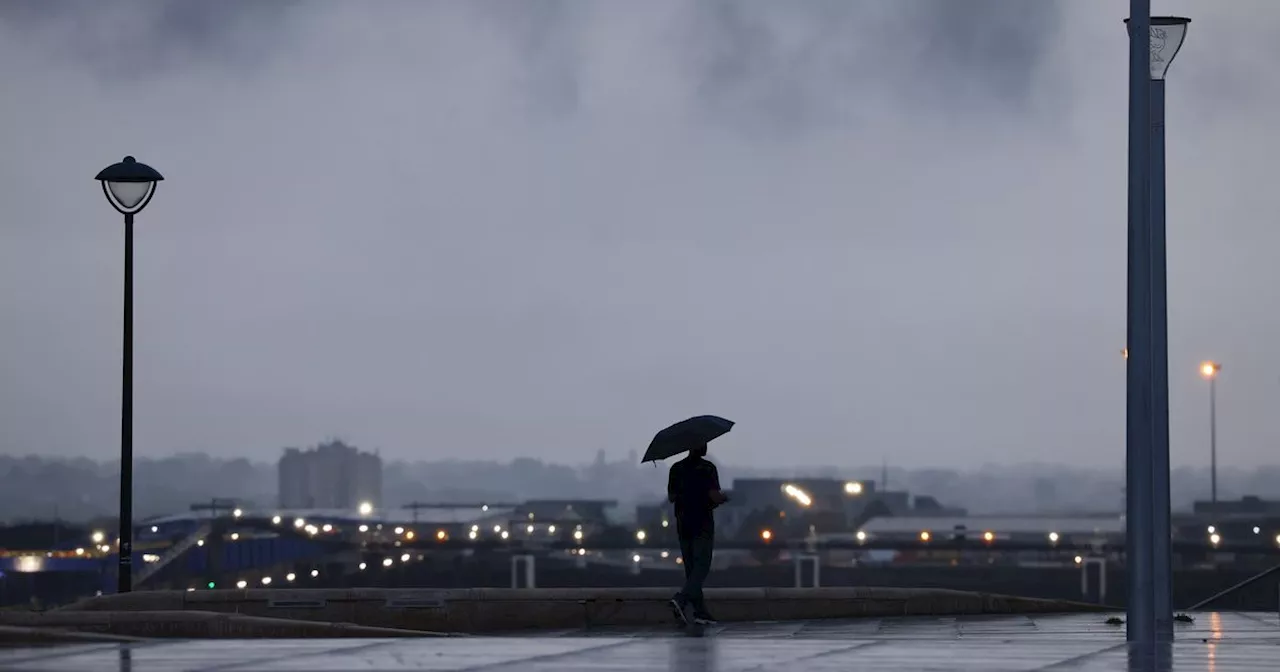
pixel 27 636
pixel 425 611
pixel 125 626
pixel 177 600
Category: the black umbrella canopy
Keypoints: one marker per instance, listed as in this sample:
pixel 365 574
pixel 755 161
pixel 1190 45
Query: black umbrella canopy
pixel 686 434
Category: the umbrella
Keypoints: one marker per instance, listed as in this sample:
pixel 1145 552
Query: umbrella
pixel 684 435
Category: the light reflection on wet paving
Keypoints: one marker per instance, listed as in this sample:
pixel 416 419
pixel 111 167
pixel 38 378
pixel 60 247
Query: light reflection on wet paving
pixel 1222 642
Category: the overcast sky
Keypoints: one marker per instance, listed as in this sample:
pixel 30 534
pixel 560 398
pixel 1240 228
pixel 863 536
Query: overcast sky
pixel 491 229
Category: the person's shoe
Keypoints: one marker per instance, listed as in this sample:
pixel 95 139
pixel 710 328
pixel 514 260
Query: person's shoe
pixel 678 610
pixel 703 618
pixel 687 614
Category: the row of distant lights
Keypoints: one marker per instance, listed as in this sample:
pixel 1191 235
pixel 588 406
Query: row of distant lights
pixel 266 580
pixel 1215 537
pixel 925 535
pixel 387 562
pixel 366 508
pixel 637 558
pixel 474 532
pixel 404 558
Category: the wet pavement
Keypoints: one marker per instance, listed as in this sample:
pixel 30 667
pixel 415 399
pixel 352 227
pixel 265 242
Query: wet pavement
pixel 1222 642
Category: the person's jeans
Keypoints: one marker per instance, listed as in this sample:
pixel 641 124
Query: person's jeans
pixel 696 553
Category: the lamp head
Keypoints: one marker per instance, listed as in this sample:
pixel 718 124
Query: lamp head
pixel 129 185
pixel 1210 370
pixel 1167 34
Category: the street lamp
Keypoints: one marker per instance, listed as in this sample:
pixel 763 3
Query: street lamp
pixel 1167 35
pixel 1153 43
pixel 128 186
pixel 1209 371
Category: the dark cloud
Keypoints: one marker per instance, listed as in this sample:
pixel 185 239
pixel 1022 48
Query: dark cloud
pixel 130 39
pixel 815 62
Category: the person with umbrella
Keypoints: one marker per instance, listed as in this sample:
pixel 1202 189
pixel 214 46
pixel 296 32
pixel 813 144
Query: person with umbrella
pixel 693 488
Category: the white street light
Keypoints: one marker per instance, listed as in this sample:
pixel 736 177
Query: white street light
pixel 128 186
pixel 1167 35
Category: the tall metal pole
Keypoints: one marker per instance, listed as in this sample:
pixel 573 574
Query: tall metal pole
pixel 1213 439
pixel 1161 530
pixel 124 570
pixel 1138 408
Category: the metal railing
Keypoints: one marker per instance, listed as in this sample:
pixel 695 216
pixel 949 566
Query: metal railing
pixel 151 569
pixel 1243 584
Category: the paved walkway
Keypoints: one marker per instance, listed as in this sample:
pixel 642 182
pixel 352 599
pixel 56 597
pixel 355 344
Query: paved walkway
pixel 1220 642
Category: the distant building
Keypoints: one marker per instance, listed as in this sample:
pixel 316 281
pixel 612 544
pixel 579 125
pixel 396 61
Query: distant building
pixel 330 476
pixel 824 504
pixel 1248 505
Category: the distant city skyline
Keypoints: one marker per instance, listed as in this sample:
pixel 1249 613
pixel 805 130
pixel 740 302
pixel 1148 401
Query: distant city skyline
pixel 80 489
pixel 858 228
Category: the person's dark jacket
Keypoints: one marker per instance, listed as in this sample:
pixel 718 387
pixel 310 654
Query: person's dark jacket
pixel 689 486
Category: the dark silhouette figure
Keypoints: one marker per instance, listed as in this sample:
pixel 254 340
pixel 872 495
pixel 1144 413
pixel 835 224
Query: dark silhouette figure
pixel 694 488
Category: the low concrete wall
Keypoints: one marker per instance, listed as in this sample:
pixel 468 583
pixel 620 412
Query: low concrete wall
pixel 20 636
pixel 495 609
pixel 128 625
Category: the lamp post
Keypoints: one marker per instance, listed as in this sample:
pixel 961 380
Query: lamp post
pixel 1209 370
pixel 1140 610
pixel 128 186
pixel 1154 41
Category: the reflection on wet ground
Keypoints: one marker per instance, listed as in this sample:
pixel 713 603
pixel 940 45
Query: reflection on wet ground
pixel 1222 642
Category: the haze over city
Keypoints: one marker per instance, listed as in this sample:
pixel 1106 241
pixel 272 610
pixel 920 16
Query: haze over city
pixel 493 230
